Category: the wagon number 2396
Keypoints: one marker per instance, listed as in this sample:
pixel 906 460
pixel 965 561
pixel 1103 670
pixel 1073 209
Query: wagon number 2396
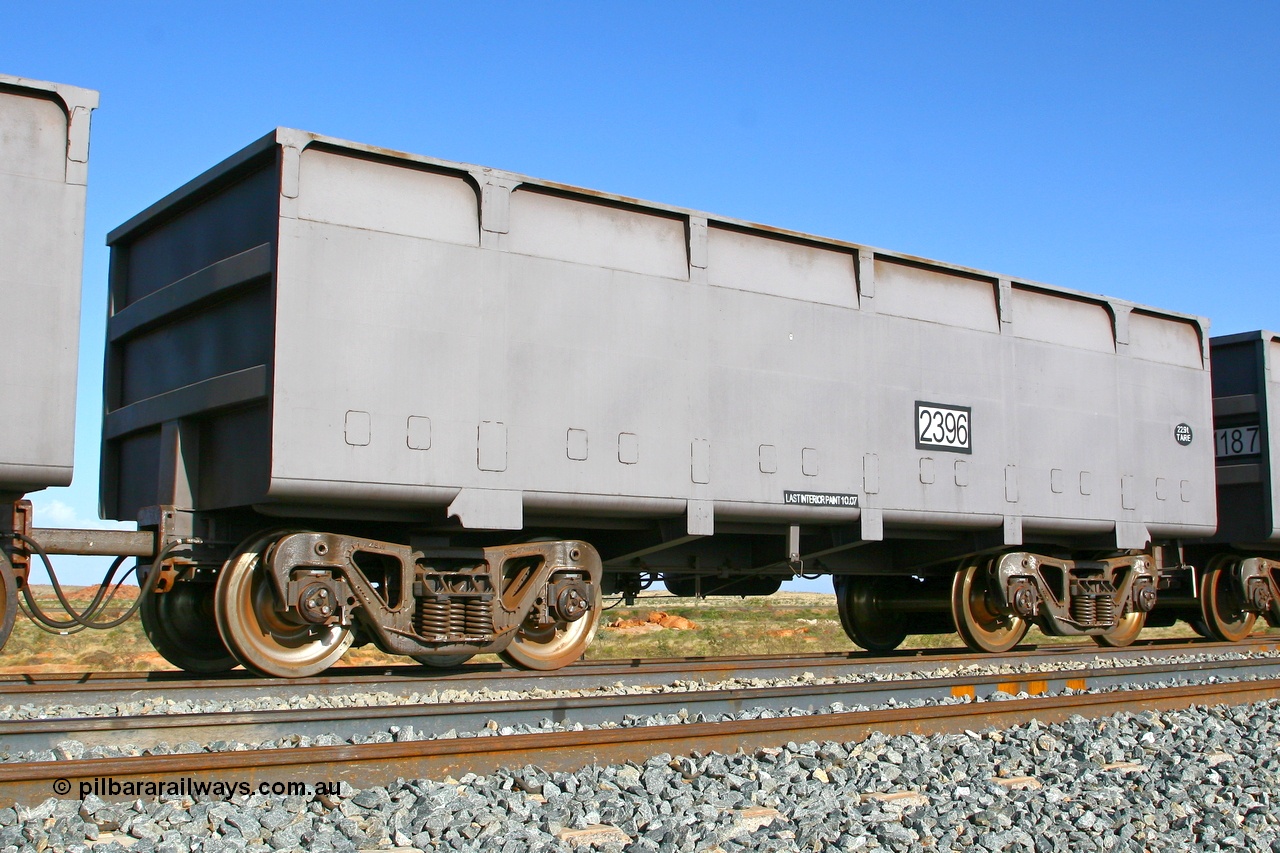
pixel 944 427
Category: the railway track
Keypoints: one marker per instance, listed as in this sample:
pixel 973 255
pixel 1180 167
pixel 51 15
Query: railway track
pixel 61 689
pixel 150 730
pixel 366 765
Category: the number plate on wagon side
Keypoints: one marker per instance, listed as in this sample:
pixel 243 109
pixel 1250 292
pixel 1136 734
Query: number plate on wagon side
pixel 1237 441
pixel 944 427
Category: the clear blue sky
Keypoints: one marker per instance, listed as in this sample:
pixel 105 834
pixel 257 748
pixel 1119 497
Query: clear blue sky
pixel 1129 149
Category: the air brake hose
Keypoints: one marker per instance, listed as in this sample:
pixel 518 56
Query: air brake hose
pixel 52 626
pixel 81 620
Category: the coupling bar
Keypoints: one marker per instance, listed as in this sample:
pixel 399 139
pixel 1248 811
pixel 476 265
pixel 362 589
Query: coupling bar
pixel 96 543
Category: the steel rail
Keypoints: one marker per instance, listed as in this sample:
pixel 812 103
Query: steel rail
pixel 112 688
pixel 378 764
pixel 150 730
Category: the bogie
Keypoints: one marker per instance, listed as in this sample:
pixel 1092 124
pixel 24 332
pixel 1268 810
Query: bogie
pixel 289 604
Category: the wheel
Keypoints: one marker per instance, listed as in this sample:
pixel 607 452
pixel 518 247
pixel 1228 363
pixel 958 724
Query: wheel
pixel 443 661
pixel 864 621
pixel 1221 607
pixel 554 646
pixel 982 627
pixel 182 627
pixel 8 599
pixel 262 638
pixel 1125 631
pixel 1199 627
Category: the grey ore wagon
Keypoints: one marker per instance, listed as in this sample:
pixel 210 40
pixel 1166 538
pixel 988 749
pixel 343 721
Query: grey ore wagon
pixel 1235 579
pixel 44 164
pixel 445 408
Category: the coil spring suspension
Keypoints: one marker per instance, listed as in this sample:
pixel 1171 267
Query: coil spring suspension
pixel 1093 604
pixel 457 618
pixel 1106 611
pixel 454 617
pixel 432 617
pixel 479 619
pixel 1084 609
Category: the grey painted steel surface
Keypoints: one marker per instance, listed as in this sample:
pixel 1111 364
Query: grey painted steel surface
pixel 1246 391
pixel 317 327
pixel 44 161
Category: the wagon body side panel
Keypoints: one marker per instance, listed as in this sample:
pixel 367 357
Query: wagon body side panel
pixel 44 151
pixel 407 338
pixel 1246 391
pixel 444 330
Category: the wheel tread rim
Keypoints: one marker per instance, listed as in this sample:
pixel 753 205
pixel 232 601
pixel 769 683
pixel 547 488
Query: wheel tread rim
pixel 1227 626
pixel 159 612
pixel 443 661
pixel 1125 632
pixel 234 607
pixel 858 610
pixel 983 638
pixel 567 645
pixel 8 599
